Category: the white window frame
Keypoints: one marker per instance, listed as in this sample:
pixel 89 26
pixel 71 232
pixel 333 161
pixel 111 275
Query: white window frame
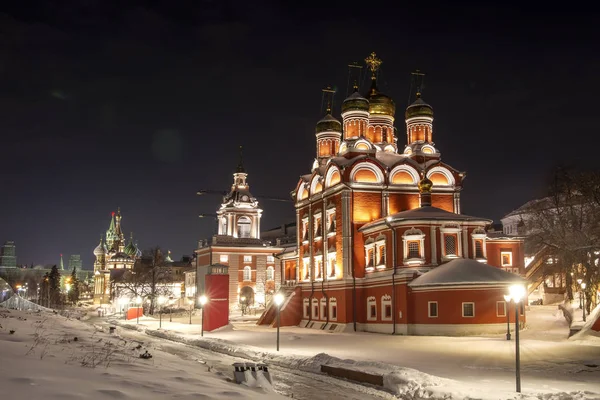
pixel 323 308
pixel 224 258
pixel 479 234
pixel 317 223
pixel 452 228
pixel 330 219
pixel 315 308
pixel 306 269
pixel 247 259
pixel 463 309
pixel 437 309
pixel 305 308
pixel 386 300
pixel 270 259
pixel 332 305
pixel 331 256
pixel 510 254
pixel 414 235
pixel 505 308
pixel 318 260
pixel 244 220
pixel 270 271
pixel 380 242
pixel 370 246
pixel 304 230
pixel 371 302
pixel 247 274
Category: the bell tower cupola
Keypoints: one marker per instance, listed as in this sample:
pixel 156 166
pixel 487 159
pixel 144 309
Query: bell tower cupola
pixel 381 108
pixel 419 119
pixel 328 132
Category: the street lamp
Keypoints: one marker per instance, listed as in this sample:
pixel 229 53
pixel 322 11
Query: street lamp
pixel 580 299
pixel 191 303
pixel 138 301
pixel 203 300
pixel 517 293
pixel 278 301
pixel 583 285
pixel 161 301
pixel 507 302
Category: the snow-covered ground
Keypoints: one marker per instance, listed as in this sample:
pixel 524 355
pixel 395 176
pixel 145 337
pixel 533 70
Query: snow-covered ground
pixel 49 356
pixel 552 368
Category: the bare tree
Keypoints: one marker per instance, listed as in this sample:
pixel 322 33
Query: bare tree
pixel 567 223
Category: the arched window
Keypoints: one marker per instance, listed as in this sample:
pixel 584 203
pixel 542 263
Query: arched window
pixel 371 309
pixel 270 273
pixel 386 307
pixel 247 273
pixel 243 227
pixel 224 226
pixel 333 309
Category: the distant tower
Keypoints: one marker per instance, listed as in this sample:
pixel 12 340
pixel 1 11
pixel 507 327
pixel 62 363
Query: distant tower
pixel 239 215
pixel 62 264
pixel 328 132
pixel 355 115
pixel 8 255
pixel 381 109
pixel 75 262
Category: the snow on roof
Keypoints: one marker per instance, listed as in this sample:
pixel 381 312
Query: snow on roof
pixel 426 213
pixel 465 271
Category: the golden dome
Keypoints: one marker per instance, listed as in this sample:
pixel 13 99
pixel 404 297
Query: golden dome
pixel 425 185
pixel 379 103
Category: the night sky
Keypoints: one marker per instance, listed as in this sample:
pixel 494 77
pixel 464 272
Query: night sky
pixel 139 104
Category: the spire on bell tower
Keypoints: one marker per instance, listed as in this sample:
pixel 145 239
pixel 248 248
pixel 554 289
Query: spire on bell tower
pixel 240 167
pixel 239 178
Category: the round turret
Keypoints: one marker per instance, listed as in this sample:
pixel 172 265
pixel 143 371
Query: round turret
pixel 328 123
pixel 355 102
pixel 130 249
pixel 418 109
pixel 100 250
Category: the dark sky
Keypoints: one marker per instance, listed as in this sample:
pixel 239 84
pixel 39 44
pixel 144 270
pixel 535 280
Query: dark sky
pixel 139 104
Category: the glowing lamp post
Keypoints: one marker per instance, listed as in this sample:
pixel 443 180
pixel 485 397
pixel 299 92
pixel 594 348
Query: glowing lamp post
pixel 203 300
pixel 138 301
pixel 583 285
pixel 161 301
pixel 191 303
pixel 507 302
pixel 278 302
pixel 580 299
pixel 517 293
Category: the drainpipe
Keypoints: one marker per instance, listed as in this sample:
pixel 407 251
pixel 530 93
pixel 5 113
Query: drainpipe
pixel 353 290
pixel 394 244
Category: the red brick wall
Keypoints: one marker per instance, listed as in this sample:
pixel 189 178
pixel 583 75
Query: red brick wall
pixel 443 201
pixel 402 202
pixel 450 306
pixel 494 250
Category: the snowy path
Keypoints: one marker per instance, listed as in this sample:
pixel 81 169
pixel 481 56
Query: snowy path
pixel 295 384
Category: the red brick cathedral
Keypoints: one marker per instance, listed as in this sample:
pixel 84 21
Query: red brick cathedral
pixel 382 244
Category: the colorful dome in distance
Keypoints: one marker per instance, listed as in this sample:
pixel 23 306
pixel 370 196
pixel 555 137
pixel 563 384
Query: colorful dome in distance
pixel 328 123
pixel 418 109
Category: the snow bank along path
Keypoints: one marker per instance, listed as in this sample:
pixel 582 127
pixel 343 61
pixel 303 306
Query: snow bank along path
pixel 405 383
pixel 48 356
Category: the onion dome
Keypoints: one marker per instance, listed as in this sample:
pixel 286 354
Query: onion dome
pixel 425 185
pixel 130 249
pixel 328 123
pixel 100 250
pixel 379 103
pixel 418 109
pixel 355 102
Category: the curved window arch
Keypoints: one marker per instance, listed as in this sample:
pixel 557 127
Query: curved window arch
pixel 244 227
pixel 316 186
pixel 223 225
pixel 247 273
pixel 366 172
pixel 302 192
pixel 333 177
pixel 404 175
pixel 270 273
pixel 440 176
pixel 428 150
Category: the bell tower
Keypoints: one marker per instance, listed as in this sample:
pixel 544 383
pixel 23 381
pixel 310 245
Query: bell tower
pixel 328 131
pixel 419 116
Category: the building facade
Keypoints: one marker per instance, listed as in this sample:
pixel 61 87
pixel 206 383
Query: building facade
pixel 113 256
pixel 375 215
pixel 254 272
pixel 8 255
